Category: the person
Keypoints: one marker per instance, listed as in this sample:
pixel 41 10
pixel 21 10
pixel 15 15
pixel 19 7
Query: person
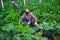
pixel 28 17
pixel 15 6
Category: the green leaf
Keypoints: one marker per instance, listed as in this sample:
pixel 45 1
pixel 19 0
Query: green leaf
pixel 8 27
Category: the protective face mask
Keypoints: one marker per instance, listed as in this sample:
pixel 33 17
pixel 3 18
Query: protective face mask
pixel 27 12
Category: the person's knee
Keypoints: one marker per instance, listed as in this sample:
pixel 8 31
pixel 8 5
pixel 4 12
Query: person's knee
pixel 29 22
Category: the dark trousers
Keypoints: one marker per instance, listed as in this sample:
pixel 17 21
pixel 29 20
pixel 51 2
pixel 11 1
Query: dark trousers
pixel 28 21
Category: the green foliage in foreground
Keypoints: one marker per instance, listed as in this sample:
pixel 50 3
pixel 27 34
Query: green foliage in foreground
pixel 19 32
pixel 10 32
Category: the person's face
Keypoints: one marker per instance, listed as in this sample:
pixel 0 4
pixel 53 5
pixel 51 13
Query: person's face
pixel 27 11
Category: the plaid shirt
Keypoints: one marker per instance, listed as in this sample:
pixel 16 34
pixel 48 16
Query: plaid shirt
pixel 29 16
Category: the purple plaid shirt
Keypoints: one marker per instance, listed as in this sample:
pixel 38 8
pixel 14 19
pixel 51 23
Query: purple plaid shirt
pixel 29 16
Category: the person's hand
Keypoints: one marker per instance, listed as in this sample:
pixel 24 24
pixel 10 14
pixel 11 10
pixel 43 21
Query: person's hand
pixel 20 22
pixel 35 23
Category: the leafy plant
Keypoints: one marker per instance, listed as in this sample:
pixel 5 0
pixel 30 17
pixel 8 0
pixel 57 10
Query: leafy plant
pixel 47 13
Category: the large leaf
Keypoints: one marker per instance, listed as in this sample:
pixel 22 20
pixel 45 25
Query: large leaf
pixel 8 27
pixel 46 26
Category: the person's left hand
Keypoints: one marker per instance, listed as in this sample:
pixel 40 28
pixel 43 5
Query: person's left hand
pixel 35 23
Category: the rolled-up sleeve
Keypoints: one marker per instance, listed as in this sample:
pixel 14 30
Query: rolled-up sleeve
pixel 34 17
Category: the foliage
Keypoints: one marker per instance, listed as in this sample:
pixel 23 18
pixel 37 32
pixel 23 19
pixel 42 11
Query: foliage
pixel 47 13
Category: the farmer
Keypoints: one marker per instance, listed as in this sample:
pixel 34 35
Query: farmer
pixel 29 18
pixel 15 6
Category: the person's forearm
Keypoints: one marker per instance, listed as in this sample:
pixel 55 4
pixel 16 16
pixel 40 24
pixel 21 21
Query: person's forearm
pixel 35 20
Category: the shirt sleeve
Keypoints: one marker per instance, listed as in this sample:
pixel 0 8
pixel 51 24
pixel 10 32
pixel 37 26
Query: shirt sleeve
pixel 34 17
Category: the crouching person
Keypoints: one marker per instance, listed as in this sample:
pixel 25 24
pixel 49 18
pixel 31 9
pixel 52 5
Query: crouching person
pixel 15 6
pixel 29 18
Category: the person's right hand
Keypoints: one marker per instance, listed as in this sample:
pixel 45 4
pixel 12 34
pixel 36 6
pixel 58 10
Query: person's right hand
pixel 20 22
